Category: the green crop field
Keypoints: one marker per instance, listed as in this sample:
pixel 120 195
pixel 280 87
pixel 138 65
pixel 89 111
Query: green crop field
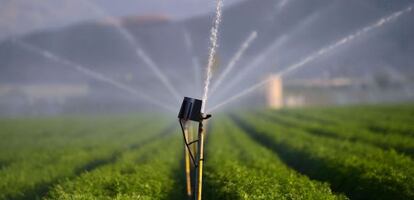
pixel 354 152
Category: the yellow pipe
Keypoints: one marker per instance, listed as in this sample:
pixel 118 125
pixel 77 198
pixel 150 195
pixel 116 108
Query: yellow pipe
pixel 200 164
pixel 188 173
pixel 187 167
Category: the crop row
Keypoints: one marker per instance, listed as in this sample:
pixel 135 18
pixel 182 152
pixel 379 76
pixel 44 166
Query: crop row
pixel 240 168
pixel 379 119
pixel 40 152
pixel 359 170
pixel 344 130
pixel 150 172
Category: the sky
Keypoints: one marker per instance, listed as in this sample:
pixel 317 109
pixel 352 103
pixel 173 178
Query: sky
pixel 174 8
pixel 19 17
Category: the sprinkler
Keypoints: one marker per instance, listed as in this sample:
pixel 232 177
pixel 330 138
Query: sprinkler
pixel 194 147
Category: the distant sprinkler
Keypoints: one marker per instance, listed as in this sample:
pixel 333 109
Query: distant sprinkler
pixel 191 111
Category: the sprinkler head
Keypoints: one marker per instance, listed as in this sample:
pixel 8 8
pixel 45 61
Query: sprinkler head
pixel 191 110
pixel 205 116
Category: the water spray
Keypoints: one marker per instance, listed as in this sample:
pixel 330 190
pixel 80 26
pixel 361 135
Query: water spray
pixel 212 54
pixel 95 75
pixel 381 22
pixel 194 156
pixel 194 110
pixel 257 61
pixel 261 57
pixel 345 40
pixel 234 60
pixel 127 35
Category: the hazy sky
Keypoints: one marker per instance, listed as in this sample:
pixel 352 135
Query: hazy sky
pixel 174 8
pixel 23 16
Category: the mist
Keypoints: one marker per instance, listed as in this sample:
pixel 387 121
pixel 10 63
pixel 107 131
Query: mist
pixel 97 58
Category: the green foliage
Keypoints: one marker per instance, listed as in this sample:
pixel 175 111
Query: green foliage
pixel 37 153
pixel 361 170
pixel 146 173
pixel 357 152
pixel 239 168
pixel 347 129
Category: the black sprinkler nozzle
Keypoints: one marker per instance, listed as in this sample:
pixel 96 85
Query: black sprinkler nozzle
pixel 191 110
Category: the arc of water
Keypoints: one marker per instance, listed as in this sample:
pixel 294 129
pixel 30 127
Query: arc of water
pixel 381 22
pixel 275 45
pixel 139 51
pixel 163 78
pixel 238 95
pixel 345 40
pixel 245 45
pixel 213 48
pixel 98 76
pixel 251 65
